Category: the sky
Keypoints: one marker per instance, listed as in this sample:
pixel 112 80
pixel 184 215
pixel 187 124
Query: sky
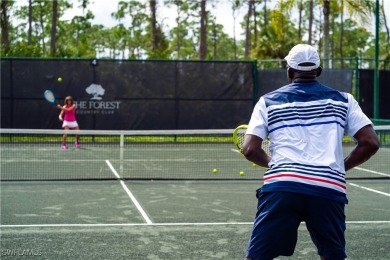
pixel 102 10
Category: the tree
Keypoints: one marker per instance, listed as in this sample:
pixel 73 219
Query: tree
pixel 5 42
pixel 283 9
pixel 311 17
pixel 179 33
pixel 360 10
pixel 30 9
pixel 153 24
pixel 247 28
pixel 236 4
pixel 36 28
pixel 136 13
pixel 255 25
pixel 54 28
pixel 385 22
pixel 326 12
pixel 300 10
pixel 280 46
pixel 159 45
pixel 203 31
pixel 265 10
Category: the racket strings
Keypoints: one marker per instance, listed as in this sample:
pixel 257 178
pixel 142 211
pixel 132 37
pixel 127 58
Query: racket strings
pixel 265 147
pixel 49 96
pixel 240 138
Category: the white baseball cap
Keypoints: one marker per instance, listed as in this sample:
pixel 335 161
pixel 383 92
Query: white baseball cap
pixel 302 53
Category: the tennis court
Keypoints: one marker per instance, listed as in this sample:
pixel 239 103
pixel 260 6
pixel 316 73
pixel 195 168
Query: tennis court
pixel 153 195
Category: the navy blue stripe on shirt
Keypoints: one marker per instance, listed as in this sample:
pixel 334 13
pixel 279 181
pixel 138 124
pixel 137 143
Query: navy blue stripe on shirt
pixel 310 124
pixel 303 92
pixel 328 106
pixel 291 113
pixel 308 110
pixel 302 117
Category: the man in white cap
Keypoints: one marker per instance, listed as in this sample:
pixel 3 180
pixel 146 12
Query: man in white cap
pixel 305 122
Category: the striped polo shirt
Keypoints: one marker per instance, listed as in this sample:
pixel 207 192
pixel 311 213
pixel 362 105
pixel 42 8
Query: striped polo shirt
pixel 306 123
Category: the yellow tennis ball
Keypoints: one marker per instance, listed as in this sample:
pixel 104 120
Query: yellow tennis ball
pixel 254 164
pixel 215 170
pixel 242 173
pixel 59 79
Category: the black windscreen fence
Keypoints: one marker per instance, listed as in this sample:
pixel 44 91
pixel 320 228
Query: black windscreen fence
pixel 128 95
pixel 366 93
pixel 154 95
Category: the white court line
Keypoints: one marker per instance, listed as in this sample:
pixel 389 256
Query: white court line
pixel 133 199
pixel 371 171
pixel 166 224
pixel 369 189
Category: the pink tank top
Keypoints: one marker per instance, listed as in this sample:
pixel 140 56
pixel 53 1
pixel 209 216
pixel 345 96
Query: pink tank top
pixel 70 116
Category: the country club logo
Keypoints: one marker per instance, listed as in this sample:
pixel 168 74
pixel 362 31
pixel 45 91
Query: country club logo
pixel 96 104
pixel 96 91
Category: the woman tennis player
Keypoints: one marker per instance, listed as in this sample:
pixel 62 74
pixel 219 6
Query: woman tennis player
pixel 68 116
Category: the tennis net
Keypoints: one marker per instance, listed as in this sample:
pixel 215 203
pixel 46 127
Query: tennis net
pixel 28 154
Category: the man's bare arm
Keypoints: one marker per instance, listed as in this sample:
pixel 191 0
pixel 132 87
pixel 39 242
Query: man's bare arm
pixel 367 146
pixel 253 152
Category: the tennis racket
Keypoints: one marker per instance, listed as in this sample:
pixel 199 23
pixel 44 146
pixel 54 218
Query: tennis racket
pixel 49 96
pixel 239 137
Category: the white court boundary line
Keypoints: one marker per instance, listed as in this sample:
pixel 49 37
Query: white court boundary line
pixel 133 199
pixel 166 224
pixel 369 189
pixel 371 171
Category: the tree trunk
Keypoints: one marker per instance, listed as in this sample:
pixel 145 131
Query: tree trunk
pixel 153 23
pixel 385 22
pixel 265 14
pixel 255 27
pixel 5 45
pixel 310 21
pixel 178 45
pixel 234 9
pixel 54 29
pixel 214 40
pixel 326 12
pixel 29 36
pixel 300 7
pixel 342 33
pixel 42 25
pixel 203 31
pixel 332 43
pixel 248 30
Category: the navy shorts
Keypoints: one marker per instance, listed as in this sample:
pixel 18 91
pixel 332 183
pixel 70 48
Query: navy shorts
pixel 275 229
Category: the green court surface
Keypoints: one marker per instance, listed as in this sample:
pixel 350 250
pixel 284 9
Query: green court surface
pixel 165 220
pixel 127 195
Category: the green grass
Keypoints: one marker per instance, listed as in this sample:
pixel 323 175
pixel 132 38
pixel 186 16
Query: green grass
pixel 116 139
